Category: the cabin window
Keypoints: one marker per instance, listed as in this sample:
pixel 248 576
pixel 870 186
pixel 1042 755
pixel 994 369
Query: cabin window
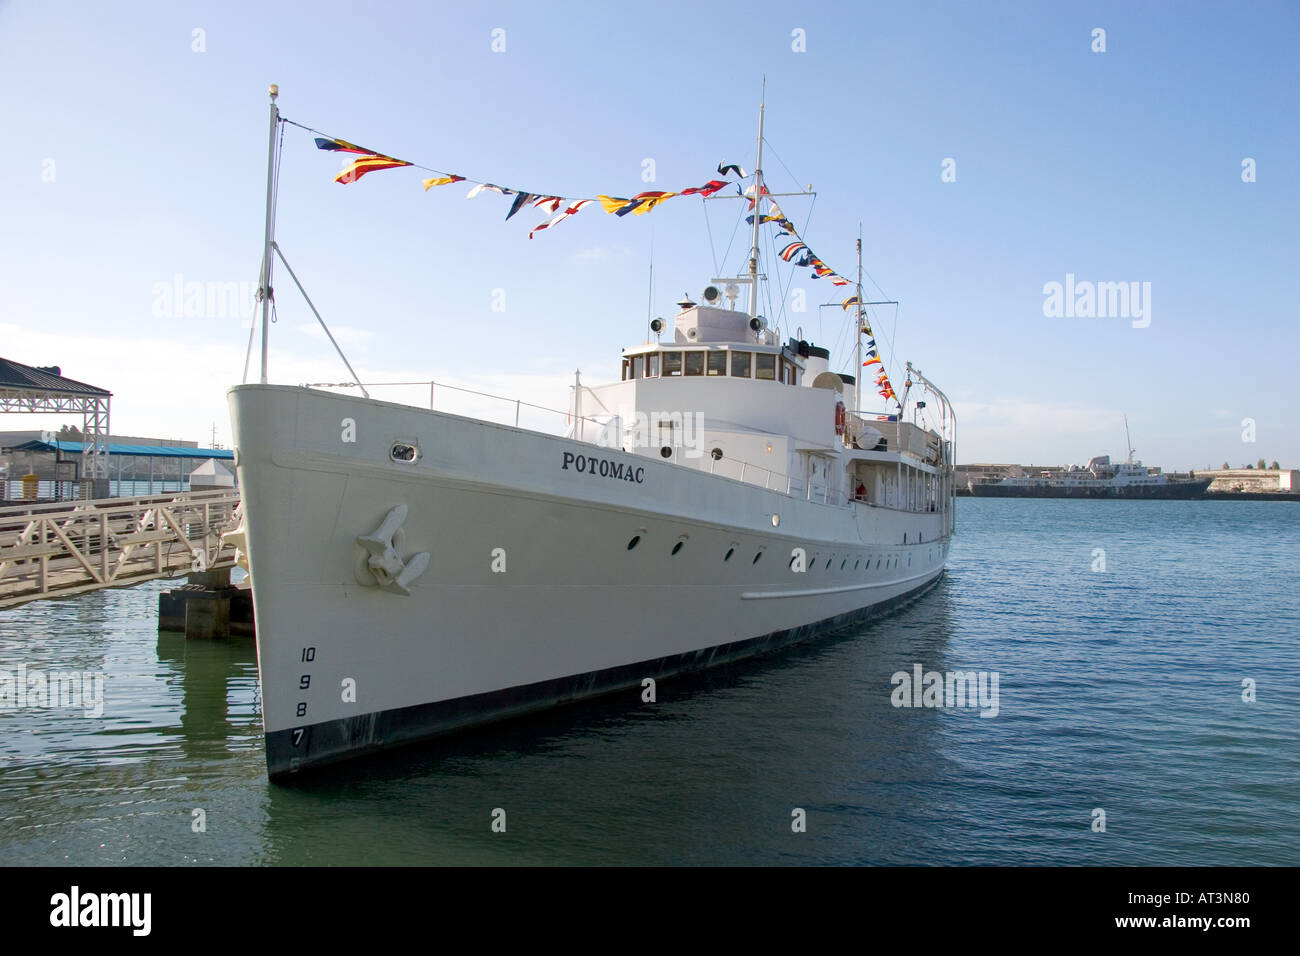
pixel 765 366
pixel 672 363
pixel 718 363
pixel 652 365
pixel 636 366
pixel 740 364
pixel 625 368
pixel 694 363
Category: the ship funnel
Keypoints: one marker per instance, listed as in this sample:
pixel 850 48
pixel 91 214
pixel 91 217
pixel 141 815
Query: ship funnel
pixel 817 361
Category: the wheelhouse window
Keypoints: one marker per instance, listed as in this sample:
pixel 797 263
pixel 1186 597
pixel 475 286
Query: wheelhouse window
pixel 740 364
pixel 765 365
pixel 718 363
pixel 694 363
pixel 652 365
pixel 626 365
pixel 672 363
pixel 636 366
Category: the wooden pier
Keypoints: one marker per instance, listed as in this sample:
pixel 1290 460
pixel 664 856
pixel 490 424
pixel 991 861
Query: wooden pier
pixel 64 548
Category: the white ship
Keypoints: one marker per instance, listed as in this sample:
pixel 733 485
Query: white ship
pixel 1100 478
pixel 415 572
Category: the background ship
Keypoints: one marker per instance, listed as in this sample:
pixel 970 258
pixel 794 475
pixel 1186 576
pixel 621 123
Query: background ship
pixel 1100 478
pixel 415 571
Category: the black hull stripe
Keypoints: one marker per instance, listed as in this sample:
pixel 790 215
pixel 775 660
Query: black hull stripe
pixel 335 740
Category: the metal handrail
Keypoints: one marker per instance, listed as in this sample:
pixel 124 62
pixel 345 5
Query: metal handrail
pixel 63 548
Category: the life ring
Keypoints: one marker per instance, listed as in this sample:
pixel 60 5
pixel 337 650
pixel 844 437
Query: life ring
pixel 839 418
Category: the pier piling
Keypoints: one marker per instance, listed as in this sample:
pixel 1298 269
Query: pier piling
pixel 207 614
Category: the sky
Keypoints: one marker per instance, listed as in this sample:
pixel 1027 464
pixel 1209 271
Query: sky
pixel 984 151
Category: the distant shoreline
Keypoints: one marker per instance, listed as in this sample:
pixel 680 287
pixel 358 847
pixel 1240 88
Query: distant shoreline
pixel 1207 496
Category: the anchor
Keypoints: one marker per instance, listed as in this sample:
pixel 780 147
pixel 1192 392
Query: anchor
pixel 238 537
pixel 382 556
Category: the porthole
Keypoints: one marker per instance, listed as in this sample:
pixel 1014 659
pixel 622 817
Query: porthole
pixel 407 453
pixel 717 454
pixel 828 564
pixel 678 546
pixel 843 563
pixel 727 556
pixel 636 539
pixel 856 563
pixel 666 451
pixel 756 557
pixel 776 520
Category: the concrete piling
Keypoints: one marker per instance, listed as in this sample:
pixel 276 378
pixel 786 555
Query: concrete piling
pixel 209 607
pixel 207 615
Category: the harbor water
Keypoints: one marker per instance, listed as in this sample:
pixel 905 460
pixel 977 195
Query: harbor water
pixel 1138 706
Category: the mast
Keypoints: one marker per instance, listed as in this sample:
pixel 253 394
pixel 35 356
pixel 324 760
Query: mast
pixel 264 288
pixel 860 312
pixel 1128 442
pixel 758 208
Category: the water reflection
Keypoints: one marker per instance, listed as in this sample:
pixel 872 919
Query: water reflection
pixel 120 787
pixel 213 676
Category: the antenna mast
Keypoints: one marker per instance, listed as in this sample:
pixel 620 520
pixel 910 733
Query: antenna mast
pixel 650 293
pixel 859 313
pixel 758 208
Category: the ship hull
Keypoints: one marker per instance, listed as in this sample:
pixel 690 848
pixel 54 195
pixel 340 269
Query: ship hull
pixel 535 593
pixel 348 737
pixel 1172 490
